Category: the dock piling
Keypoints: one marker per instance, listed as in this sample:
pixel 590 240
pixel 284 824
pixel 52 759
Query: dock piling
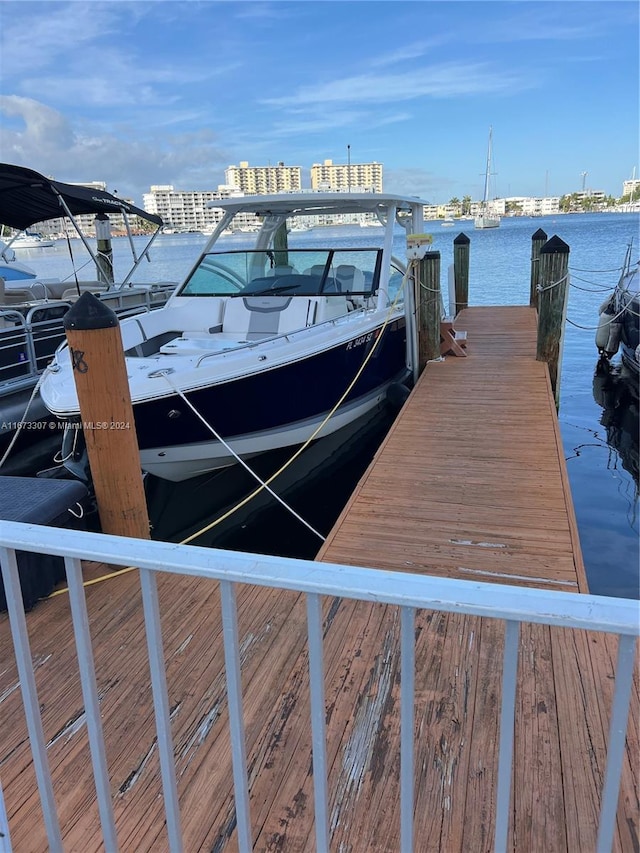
pixel 104 258
pixel 428 302
pixel 552 307
pixel 95 348
pixel 461 249
pixel 537 242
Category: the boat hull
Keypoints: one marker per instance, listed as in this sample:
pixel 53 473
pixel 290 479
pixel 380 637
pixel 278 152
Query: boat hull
pixel 270 409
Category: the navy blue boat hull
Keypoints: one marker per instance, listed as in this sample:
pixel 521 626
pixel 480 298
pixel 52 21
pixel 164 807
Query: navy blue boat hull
pixel 272 399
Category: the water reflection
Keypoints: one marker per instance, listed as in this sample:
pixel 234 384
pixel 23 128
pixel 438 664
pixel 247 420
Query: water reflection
pixel 615 389
pixel 317 486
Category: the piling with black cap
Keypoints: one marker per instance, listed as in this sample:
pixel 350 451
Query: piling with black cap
pixel 552 307
pixel 106 412
pixel 429 310
pixel 461 251
pixel 537 242
pixel 102 224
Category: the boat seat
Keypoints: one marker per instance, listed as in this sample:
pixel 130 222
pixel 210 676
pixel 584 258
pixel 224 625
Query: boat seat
pixel 351 278
pixel 71 293
pixel 18 296
pixel 253 317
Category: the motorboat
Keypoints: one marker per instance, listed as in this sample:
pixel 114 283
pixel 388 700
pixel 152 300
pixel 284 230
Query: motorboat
pixel 619 320
pixel 27 240
pixel 487 217
pixel 447 222
pixel 266 345
pixel 32 308
pixel 11 269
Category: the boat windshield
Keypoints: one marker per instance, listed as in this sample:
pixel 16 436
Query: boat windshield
pixel 294 272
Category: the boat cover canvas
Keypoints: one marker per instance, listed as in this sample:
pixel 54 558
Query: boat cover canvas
pixel 27 197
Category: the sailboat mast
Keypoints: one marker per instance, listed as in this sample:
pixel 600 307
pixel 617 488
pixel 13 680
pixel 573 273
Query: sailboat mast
pixel 488 170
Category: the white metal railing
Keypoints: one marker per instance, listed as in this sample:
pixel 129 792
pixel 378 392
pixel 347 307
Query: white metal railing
pixel 314 579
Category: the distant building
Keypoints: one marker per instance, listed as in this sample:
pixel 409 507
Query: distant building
pixel 262 180
pixel 547 206
pixel 187 210
pixel 631 188
pixel 357 177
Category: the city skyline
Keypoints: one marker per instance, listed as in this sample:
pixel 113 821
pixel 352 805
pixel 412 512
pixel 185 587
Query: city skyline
pixel 174 93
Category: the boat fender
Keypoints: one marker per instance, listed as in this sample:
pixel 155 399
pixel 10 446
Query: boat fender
pixel 397 395
pixel 613 343
pixel 604 327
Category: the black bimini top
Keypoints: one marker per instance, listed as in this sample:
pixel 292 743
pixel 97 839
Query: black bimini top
pixel 27 197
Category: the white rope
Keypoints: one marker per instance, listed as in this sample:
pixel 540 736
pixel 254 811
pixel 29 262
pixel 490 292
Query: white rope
pixel 553 284
pixel 228 447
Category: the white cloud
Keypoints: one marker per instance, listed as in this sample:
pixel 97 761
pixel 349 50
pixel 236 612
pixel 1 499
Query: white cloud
pixel 417 182
pixel 34 135
pixel 438 81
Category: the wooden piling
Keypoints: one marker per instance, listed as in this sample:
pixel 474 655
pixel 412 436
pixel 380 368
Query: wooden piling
pixel 552 307
pixel 461 249
pixel 537 242
pixel 104 263
pixel 429 310
pixel 95 348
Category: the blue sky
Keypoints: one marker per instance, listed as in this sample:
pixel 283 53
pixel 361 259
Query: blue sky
pixel 141 93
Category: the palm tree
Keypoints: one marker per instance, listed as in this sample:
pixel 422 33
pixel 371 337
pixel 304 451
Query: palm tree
pixel 466 205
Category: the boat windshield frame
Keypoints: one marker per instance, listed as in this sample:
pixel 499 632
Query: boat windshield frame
pixel 290 272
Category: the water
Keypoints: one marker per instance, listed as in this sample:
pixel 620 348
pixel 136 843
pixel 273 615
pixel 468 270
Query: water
pixel 598 414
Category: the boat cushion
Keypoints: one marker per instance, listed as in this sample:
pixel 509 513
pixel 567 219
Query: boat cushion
pixel 254 317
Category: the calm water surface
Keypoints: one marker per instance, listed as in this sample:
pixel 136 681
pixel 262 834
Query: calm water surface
pixel 598 413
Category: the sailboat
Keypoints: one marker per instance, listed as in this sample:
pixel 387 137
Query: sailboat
pixel 487 218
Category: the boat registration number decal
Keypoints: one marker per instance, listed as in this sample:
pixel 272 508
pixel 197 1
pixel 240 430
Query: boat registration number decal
pixel 363 339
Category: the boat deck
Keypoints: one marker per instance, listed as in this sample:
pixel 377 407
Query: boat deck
pixel 469 483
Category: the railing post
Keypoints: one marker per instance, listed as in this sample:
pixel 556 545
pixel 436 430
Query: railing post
pixel 407 724
pixel 552 307
pixel 537 242
pixel 20 637
pixel 236 716
pixel 507 726
pixel 616 744
pixel 5 838
pixel 461 250
pixel 318 713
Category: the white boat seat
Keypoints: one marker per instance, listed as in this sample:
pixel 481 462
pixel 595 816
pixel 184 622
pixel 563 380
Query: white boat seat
pixel 253 317
pixel 351 278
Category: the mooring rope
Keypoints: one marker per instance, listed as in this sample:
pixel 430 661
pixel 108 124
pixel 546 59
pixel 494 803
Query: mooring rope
pixel 238 458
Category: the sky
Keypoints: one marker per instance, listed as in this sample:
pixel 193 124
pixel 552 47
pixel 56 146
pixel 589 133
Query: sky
pixel 164 92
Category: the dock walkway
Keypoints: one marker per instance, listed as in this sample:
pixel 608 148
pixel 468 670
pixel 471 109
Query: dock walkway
pixel 469 483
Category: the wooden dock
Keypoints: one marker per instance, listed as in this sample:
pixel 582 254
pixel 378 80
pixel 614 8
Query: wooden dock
pixel 469 483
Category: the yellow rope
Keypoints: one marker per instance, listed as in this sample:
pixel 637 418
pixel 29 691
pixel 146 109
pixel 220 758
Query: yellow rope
pixel 280 470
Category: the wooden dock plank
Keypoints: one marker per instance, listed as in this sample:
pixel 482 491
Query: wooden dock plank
pixel 470 482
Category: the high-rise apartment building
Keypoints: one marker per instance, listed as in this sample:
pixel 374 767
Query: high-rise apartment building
pixel 261 180
pixel 186 210
pixel 356 177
